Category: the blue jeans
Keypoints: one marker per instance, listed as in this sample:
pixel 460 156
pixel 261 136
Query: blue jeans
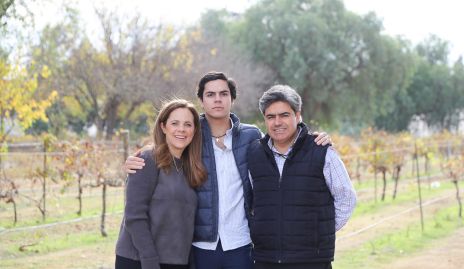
pixel 239 258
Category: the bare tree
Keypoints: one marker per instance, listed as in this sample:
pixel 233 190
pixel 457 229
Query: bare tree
pixel 134 65
pixel 8 194
pixel 104 175
pixel 73 165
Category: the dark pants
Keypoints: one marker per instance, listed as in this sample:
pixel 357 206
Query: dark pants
pixel 239 258
pixel 125 263
pixel 266 265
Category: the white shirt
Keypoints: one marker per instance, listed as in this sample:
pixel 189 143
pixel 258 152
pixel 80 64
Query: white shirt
pixel 233 228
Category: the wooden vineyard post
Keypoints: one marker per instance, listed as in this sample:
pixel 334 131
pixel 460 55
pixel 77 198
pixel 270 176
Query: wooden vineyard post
pixel 419 185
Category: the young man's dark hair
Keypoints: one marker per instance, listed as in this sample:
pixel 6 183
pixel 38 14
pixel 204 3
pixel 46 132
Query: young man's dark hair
pixel 213 75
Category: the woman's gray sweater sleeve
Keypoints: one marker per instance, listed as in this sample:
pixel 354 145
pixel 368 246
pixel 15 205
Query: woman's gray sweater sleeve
pixel 139 191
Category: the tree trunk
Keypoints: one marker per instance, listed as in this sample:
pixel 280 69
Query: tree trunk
pixel 111 111
pixel 305 97
pixel 102 224
pixel 375 185
pixel 125 143
pixel 13 191
pixel 44 204
pixel 426 169
pixel 396 177
pixel 413 168
pixel 79 194
pixel 384 178
pixel 100 122
pixel 426 164
pixel 458 197
pixel 131 110
pixel 44 182
pixel 15 210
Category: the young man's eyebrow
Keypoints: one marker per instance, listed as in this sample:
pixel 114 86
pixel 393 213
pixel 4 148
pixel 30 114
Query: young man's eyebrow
pixel 220 91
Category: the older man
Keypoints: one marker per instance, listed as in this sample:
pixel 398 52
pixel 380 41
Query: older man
pixel 302 193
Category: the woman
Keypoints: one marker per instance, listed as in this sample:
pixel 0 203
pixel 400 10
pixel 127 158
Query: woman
pixel 157 229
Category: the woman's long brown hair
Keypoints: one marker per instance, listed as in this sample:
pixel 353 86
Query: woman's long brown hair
pixel 192 166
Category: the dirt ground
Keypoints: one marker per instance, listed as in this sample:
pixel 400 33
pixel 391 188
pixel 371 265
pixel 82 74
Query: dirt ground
pixel 446 253
pixel 388 221
pixel 93 257
pixel 385 223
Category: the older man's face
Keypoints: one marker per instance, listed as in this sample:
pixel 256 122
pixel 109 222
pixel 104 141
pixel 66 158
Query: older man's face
pixel 281 123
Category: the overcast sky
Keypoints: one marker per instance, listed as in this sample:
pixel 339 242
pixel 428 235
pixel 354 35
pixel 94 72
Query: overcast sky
pixel 417 19
pixel 413 19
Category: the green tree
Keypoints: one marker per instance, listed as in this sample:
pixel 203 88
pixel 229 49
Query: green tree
pixel 18 102
pixel 434 50
pixel 4 5
pixel 17 10
pixel 55 45
pixel 438 98
pixel 458 88
pixel 403 107
pixel 434 92
pixel 342 66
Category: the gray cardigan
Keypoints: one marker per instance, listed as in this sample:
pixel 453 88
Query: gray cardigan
pixel 158 217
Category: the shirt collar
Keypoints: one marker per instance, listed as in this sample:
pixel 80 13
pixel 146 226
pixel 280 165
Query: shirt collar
pixel 270 144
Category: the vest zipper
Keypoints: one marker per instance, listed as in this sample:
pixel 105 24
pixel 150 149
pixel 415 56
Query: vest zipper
pixel 280 221
pixel 281 209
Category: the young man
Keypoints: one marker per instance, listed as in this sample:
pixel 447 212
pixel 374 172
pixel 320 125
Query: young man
pixel 302 193
pixel 221 234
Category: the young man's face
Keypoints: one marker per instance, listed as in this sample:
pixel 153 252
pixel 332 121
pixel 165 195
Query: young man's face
pixel 217 101
pixel 281 123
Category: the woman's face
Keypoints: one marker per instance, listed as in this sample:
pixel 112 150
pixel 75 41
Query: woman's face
pixel 179 130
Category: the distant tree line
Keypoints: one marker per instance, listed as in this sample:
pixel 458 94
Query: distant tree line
pixel 349 73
